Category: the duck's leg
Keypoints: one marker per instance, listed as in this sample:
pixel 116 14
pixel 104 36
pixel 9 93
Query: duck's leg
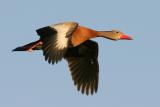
pixel 35 45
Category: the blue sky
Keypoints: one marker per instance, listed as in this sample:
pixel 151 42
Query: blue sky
pixel 129 70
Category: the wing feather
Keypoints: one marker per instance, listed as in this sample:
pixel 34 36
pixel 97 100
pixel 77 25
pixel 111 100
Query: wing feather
pixel 83 65
pixel 55 40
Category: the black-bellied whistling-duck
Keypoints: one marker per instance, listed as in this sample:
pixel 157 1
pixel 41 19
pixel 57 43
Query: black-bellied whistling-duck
pixel 70 41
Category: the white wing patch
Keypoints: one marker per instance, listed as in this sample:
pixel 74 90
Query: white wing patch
pixel 62 30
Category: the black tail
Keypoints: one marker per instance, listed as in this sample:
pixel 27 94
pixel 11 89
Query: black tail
pixel 28 46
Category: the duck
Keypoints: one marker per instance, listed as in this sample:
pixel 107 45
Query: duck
pixel 72 42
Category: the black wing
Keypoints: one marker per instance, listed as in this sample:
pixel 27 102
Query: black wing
pixel 48 36
pixel 83 64
pixel 55 40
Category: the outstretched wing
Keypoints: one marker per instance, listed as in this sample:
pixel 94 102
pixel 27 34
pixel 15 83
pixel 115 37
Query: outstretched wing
pixel 84 67
pixel 56 40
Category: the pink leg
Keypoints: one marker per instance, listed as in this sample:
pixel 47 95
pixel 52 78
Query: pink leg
pixel 35 45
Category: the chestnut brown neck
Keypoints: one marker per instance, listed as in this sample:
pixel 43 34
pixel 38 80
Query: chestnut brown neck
pixel 106 34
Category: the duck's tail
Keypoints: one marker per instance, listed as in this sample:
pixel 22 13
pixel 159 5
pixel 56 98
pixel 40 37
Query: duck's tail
pixel 37 45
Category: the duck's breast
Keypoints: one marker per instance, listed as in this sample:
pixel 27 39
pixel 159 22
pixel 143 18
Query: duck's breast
pixel 81 34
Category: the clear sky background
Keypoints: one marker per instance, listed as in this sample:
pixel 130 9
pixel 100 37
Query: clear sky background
pixel 129 70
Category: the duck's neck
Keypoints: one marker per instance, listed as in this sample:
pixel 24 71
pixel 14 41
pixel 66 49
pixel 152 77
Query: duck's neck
pixel 106 34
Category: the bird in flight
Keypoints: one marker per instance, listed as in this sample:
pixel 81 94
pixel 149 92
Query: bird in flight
pixel 71 41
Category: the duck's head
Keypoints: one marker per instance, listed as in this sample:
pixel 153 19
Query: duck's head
pixel 114 35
